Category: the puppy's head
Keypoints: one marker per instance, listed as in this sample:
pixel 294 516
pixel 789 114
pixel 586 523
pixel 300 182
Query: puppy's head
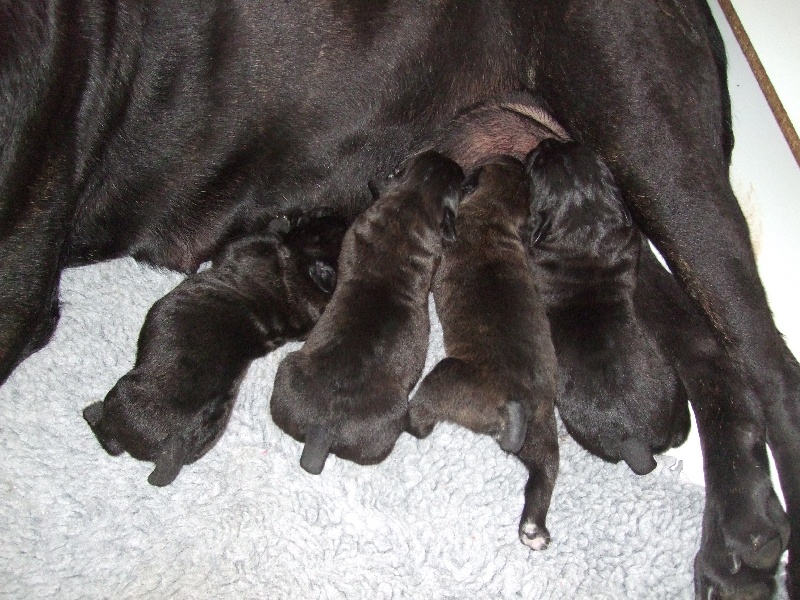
pixel 498 190
pixel 315 240
pixel 573 197
pixel 428 184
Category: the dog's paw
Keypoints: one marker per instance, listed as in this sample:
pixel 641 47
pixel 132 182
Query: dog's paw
pixel 741 546
pixel 758 538
pixel 714 580
pixel 535 537
pixel 512 436
pixel 420 421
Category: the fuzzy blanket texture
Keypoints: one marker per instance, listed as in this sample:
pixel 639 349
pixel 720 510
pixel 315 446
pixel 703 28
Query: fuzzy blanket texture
pixel 437 520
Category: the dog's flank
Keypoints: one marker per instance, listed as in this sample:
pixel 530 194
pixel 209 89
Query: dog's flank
pixel 619 394
pixel 346 391
pixel 197 342
pixel 499 376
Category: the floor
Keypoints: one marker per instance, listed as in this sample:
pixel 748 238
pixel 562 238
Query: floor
pixel 764 172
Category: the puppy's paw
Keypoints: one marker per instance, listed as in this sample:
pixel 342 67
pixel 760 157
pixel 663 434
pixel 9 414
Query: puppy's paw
pixel 535 537
pixel 513 433
pixel 420 421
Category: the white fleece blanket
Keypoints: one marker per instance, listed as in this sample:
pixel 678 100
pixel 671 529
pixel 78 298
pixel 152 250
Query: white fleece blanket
pixel 437 519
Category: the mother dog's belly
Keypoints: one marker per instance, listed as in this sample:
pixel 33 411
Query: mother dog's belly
pixel 237 111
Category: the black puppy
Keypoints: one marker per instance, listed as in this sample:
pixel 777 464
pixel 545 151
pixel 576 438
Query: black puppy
pixel 499 376
pixel 618 394
pixel 347 389
pixel 197 342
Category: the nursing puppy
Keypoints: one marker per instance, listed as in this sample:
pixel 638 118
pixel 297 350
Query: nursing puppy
pixel 346 390
pixel 618 393
pixel 499 376
pixel 263 291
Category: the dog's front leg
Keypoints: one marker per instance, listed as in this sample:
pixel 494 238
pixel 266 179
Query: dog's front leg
pixel 728 442
pixel 645 87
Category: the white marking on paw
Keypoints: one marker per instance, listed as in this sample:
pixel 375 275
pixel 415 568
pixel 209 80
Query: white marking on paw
pixel 533 537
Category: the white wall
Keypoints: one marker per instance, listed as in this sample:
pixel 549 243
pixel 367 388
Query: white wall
pixel 773 27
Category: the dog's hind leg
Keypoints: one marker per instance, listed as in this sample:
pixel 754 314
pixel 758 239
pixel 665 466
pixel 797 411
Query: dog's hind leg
pixel 42 73
pixel 539 454
pixel 454 391
pixel 662 123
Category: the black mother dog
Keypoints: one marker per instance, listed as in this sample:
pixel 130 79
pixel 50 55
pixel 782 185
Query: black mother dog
pixel 165 129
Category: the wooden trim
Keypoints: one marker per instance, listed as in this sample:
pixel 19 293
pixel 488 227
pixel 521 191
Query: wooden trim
pixel 787 128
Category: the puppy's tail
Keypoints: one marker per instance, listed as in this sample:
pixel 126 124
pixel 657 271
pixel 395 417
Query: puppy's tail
pixel 170 462
pixel 318 444
pixel 456 391
pixel 638 455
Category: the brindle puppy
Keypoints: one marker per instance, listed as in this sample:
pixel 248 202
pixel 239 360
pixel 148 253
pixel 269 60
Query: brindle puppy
pixel 347 389
pixel 618 393
pixel 501 366
pixel 263 290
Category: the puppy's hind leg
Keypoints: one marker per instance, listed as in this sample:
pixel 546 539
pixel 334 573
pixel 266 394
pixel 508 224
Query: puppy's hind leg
pixel 93 414
pixel 456 391
pixel 540 455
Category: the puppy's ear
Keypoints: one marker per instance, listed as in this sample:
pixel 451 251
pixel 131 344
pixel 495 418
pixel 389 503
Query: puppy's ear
pixel 537 228
pixel 93 414
pixel 323 275
pixel 449 212
pixel 537 157
pixel 318 444
pixel 169 463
